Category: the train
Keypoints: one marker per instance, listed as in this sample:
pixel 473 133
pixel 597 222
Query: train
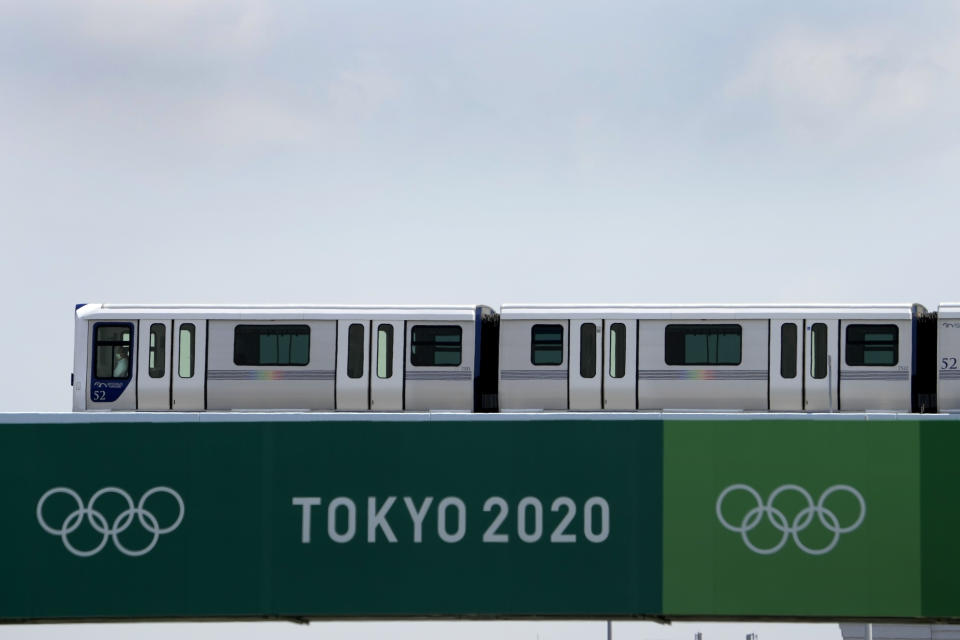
pixel 521 357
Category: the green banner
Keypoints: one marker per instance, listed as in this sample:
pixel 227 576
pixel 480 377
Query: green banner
pixel 940 523
pixel 792 518
pixel 326 517
pixel 623 515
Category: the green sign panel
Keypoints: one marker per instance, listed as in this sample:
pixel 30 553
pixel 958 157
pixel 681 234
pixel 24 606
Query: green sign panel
pixel 792 518
pixel 299 515
pixel 328 517
pixel 940 522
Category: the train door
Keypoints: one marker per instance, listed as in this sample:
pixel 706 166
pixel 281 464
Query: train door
pixel 353 349
pixel 786 365
pixel 820 365
pixel 113 380
pixel 620 365
pixel 586 342
pixel 189 365
pixel 386 357
pixel 153 368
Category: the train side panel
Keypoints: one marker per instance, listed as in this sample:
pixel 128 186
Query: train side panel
pixel 875 366
pixel 523 384
pixel 287 380
pixel 78 379
pixel 439 365
pixel 740 383
pixel 948 358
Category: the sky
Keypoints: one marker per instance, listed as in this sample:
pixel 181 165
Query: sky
pixel 464 151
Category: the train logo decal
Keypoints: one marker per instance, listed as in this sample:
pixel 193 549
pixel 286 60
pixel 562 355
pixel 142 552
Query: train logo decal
pixel 99 384
pixel 791 527
pixel 108 530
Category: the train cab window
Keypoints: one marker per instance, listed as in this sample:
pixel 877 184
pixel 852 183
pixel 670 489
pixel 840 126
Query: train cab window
pixel 588 350
pixel 271 344
pixel 385 351
pixel 112 351
pixel 872 345
pixel 702 344
pixel 435 346
pixel 157 364
pixel 618 350
pixel 788 350
pixel 187 351
pixel 546 344
pixel 355 351
pixel 818 351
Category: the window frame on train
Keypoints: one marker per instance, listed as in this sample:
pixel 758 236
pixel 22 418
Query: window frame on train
pixel 788 350
pixel 384 351
pixel 860 345
pixel 546 344
pixel 156 353
pixel 187 356
pixel 430 345
pixel 819 350
pixel 245 358
pixel 618 349
pixel 355 344
pixel 99 343
pixel 588 350
pixel 675 350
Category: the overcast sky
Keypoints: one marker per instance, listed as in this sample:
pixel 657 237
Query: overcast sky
pixel 255 151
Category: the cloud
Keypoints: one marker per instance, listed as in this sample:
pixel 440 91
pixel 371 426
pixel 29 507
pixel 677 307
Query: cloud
pixel 243 120
pixel 856 81
pixel 359 92
pixel 219 27
pixel 172 74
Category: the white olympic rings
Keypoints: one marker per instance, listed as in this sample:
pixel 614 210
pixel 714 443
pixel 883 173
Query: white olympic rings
pixel 789 528
pixel 99 522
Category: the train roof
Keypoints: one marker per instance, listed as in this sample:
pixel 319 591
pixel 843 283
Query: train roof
pixel 458 313
pixel 898 311
pixel 511 311
pixel 949 310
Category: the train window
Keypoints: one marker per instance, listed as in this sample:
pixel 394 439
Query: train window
pixel 385 351
pixel 818 351
pixel 546 344
pixel 699 344
pixel 588 350
pixel 788 350
pixel 355 351
pixel 872 345
pixel 112 351
pixel 157 364
pixel 618 350
pixel 437 346
pixel 271 344
pixel 187 350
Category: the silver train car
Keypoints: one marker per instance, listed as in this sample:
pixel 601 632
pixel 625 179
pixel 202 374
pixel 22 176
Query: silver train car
pixel 308 358
pixel 889 357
